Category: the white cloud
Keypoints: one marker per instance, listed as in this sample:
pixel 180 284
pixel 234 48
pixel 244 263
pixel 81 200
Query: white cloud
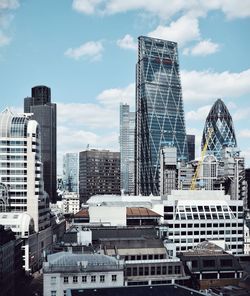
pixel 127 42
pixel 244 133
pixel 184 30
pixel 199 114
pixel 85 6
pixel 209 85
pixel 241 113
pixel 114 96
pixel 163 9
pixel 203 48
pixel 9 4
pixel 91 116
pixel 4 40
pixel 92 50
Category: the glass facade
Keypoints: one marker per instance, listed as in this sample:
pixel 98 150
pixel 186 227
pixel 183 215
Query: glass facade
pixel 44 112
pixel 71 172
pixel 159 110
pixel 127 138
pixel 220 120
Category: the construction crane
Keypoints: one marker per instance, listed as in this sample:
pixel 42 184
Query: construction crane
pixel 203 152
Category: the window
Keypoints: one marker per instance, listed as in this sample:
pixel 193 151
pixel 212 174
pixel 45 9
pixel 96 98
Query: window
pixel 93 278
pixel 102 278
pixel 53 293
pixel 84 279
pixel 114 277
pixel 75 279
pixel 208 263
pixel 66 279
pixel 64 292
pixel 53 280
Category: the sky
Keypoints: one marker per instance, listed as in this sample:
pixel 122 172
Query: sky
pixel 86 52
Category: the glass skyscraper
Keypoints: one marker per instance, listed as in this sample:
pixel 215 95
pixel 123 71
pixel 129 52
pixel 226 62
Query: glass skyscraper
pixel 220 120
pixel 127 148
pixel 44 112
pixel 159 110
pixel 71 172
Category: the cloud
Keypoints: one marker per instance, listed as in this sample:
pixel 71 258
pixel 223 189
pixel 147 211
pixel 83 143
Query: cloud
pixel 203 48
pixel 184 30
pixel 85 6
pixel 127 42
pixel 241 113
pixel 209 85
pixel 92 50
pixel 4 40
pixel 114 96
pixel 199 114
pixel 232 9
pixel 244 133
pixel 9 4
pixel 91 116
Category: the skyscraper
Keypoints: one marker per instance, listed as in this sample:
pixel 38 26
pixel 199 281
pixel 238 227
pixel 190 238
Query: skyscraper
pixel 44 112
pixel 99 173
pixel 71 172
pixel 159 110
pixel 127 148
pixel 191 147
pixel 220 120
pixel 21 168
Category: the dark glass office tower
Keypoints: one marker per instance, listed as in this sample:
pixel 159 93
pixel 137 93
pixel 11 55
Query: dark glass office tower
pixel 220 120
pixel 45 114
pixel 159 110
pixel 191 147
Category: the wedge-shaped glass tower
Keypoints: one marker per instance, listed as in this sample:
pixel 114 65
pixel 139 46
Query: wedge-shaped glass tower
pixel 159 110
pixel 220 120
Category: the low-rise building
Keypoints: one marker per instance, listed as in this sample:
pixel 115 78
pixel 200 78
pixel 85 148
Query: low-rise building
pixel 65 270
pixel 211 266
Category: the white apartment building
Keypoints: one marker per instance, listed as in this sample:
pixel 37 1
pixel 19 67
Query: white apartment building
pixel 194 216
pixel 65 270
pixel 71 202
pixel 21 167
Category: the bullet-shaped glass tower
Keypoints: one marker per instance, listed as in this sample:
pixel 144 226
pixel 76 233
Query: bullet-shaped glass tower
pixel 220 120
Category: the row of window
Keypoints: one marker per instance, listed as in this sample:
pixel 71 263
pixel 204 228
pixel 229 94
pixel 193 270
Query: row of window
pixel 206 225
pixel 145 257
pixel 85 279
pixel 206 232
pixel 153 270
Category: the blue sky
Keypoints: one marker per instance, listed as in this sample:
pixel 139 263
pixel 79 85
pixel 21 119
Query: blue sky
pixel 86 51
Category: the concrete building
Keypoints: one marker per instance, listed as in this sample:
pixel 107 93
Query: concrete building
pixel 194 216
pixel 21 169
pixel 10 262
pixel 159 110
pixel 99 173
pixel 34 244
pixel 44 112
pixel 210 266
pixel 127 149
pixel 71 172
pixel 70 202
pixel 65 270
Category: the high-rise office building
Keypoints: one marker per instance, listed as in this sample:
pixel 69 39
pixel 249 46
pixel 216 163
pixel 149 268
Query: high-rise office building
pixel 159 110
pixel 21 169
pixel 99 173
pixel 71 172
pixel 127 148
pixel 191 147
pixel 223 135
pixel 44 112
